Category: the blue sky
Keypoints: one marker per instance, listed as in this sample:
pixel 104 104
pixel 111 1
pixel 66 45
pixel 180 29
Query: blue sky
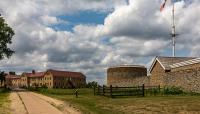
pixel 82 17
pixel 90 36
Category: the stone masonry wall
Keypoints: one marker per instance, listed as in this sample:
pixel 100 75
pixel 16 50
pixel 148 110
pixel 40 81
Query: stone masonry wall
pixel 127 82
pixel 188 79
pixel 127 76
pixel 157 75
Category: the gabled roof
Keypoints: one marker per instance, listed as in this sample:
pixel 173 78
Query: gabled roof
pixel 11 76
pixel 27 74
pixel 184 63
pixel 37 74
pixel 58 73
pixel 167 62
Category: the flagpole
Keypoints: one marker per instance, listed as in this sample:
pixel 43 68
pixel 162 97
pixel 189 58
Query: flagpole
pixel 173 31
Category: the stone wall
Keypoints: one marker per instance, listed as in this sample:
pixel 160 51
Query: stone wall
pixel 128 82
pixel 188 79
pixel 127 76
pixel 157 75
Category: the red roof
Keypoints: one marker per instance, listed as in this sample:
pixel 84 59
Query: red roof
pixel 66 73
pixel 13 76
pixel 37 74
pixel 27 74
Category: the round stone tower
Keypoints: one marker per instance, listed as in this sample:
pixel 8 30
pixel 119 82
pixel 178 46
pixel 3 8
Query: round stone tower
pixel 126 75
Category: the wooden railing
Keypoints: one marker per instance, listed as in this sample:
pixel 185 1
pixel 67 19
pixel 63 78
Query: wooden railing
pixel 124 91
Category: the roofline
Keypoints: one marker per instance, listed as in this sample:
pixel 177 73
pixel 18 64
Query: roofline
pixel 171 66
pixel 49 70
pixel 185 63
pixel 140 66
pixel 156 59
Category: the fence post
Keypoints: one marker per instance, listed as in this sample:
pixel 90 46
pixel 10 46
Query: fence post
pixel 94 90
pixel 159 88
pixel 111 91
pixel 98 90
pixel 103 90
pixel 76 93
pixel 143 89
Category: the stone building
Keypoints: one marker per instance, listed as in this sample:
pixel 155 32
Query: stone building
pixel 36 79
pixel 127 75
pixel 49 78
pixel 25 80
pixel 176 71
pixel 12 80
pixel 64 79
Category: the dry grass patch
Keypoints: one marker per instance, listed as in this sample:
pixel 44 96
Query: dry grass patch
pixel 4 101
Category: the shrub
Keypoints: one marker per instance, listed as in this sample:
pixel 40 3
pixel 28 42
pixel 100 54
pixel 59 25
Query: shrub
pixel 172 90
pixel 44 87
pixel 4 90
pixel 33 88
pixel 91 84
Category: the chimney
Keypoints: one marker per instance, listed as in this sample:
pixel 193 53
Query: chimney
pixel 33 71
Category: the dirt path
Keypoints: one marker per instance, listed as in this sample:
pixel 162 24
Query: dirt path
pixel 65 108
pixel 35 105
pixel 25 102
pixel 16 106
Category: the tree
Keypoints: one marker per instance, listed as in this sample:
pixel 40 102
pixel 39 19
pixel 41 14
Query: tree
pixel 2 77
pixel 91 84
pixel 12 73
pixel 6 34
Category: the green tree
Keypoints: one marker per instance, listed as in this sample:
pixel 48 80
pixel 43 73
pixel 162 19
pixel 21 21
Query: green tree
pixel 91 84
pixel 2 77
pixel 6 34
pixel 12 72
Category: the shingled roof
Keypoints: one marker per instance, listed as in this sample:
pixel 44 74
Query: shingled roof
pixel 171 62
pixel 66 73
pixel 27 74
pixel 11 76
pixel 37 74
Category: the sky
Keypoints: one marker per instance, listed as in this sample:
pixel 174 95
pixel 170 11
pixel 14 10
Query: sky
pixel 90 36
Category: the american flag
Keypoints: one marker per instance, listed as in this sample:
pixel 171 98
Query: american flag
pixel 163 5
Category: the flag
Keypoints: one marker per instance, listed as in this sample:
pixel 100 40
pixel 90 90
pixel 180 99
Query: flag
pixel 163 5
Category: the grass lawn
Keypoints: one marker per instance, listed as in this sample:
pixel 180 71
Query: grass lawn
pixel 90 104
pixel 4 101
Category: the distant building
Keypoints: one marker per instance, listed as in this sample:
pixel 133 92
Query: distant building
pixel 36 79
pixel 25 80
pixel 49 78
pixel 12 80
pixel 176 71
pixel 64 79
pixel 127 75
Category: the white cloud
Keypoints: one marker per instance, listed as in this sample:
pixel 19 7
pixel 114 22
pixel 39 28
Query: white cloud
pixel 49 20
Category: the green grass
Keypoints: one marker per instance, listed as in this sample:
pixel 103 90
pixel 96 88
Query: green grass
pixel 4 101
pixel 90 104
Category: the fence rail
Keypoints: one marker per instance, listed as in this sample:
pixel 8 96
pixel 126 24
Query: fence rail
pixel 124 91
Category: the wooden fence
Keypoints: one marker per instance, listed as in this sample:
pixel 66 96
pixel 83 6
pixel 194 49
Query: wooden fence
pixel 124 91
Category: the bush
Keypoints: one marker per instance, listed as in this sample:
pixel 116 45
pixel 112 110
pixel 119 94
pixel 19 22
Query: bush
pixel 4 90
pixel 33 88
pixel 91 84
pixel 152 91
pixel 44 87
pixel 172 90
